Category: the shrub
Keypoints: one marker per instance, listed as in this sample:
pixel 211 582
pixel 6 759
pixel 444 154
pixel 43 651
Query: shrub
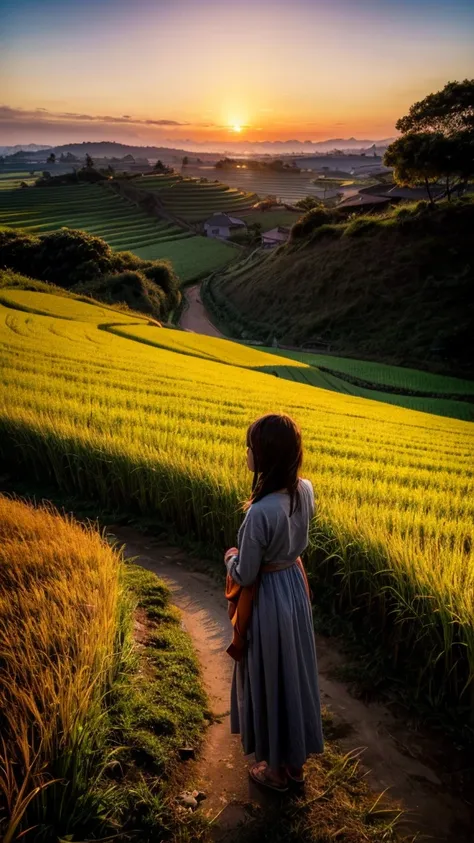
pixel 308 223
pixel 67 257
pixel 163 274
pixel 88 175
pixel 77 260
pixel 130 287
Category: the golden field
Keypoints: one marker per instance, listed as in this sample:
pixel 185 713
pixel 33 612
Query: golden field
pixel 90 403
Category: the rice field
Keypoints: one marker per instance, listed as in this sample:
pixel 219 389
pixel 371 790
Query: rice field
pixel 286 186
pixel 100 211
pixel 161 432
pixel 194 201
pixel 234 354
pixel 383 374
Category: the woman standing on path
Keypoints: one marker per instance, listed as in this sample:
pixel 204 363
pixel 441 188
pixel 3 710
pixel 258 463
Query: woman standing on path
pixel 275 703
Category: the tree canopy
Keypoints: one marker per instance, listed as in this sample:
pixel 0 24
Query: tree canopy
pixel 437 140
pixel 449 111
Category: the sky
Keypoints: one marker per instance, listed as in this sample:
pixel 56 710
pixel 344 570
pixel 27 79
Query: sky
pixel 209 71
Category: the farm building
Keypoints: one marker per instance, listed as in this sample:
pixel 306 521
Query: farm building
pixel 275 237
pixel 380 196
pixel 223 225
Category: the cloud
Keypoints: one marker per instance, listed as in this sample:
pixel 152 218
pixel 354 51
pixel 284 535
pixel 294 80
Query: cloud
pixel 42 116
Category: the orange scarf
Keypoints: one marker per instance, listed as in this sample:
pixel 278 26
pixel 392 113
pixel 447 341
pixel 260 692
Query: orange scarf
pixel 241 599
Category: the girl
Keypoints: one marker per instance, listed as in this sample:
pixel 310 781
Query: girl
pixel 275 702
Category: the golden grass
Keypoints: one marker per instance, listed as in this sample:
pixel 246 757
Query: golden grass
pixel 162 433
pixel 59 621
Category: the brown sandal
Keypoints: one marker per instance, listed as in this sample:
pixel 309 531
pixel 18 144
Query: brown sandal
pixel 258 774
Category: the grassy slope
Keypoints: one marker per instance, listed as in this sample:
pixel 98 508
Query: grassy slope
pixel 100 211
pixel 235 354
pixel 160 433
pixel 109 716
pixel 391 294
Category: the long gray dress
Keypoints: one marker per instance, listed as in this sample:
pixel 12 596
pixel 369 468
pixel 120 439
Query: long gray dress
pixel 275 704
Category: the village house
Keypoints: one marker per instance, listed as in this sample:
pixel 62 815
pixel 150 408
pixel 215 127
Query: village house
pixel 275 237
pixel 223 225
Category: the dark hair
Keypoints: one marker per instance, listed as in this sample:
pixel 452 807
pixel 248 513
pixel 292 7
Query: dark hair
pixel 275 440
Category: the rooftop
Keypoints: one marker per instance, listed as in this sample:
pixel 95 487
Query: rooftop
pixel 223 220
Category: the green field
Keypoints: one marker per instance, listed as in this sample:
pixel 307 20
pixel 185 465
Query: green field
pixel 194 201
pixel 98 210
pixel 162 432
pixel 383 374
pixel 271 219
pixel 235 354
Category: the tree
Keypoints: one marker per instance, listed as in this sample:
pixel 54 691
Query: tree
pixel 51 159
pixel 448 111
pixel 185 161
pixel 437 141
pixel 416 159
pixel 159 167
pixel 89 162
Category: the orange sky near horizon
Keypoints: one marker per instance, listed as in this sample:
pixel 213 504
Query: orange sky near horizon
pixel 176 70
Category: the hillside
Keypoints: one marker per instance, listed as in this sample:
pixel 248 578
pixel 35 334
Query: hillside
pixel 397 288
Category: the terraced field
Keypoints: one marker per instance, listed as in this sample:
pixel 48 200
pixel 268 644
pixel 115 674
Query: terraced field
pixel 286 186
pixel 194 201
pixel 383 374
pixel 9 180
pixel 117 420
pixel 125 227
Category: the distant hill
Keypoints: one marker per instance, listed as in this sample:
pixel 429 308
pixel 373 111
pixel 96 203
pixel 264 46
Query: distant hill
pixel 28 147
pixel 111 149
pixel 398 288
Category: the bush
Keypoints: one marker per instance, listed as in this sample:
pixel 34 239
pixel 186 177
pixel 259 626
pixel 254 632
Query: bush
pixel 308 223
pixel 130 287
pixel 77 260
pixel 87 175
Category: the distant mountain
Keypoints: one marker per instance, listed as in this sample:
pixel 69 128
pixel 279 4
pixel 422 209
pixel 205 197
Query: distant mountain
pixel 111 149
pixel 29 147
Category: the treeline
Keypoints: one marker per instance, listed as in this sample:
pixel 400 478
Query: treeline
pixel 277 166
pixel 82 263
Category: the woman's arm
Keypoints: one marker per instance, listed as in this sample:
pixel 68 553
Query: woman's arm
pixel 244 568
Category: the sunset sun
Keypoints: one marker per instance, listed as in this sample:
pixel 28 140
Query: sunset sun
pixel 237 128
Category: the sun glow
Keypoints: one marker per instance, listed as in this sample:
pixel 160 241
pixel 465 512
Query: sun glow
pixel 237 128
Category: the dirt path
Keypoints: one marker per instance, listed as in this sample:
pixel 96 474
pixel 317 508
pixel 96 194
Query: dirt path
pixel 195 317
pixel 395 757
